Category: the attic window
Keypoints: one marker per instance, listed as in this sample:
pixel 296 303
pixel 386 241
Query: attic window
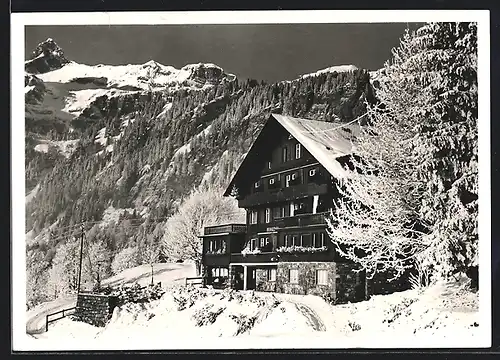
pixel 298 151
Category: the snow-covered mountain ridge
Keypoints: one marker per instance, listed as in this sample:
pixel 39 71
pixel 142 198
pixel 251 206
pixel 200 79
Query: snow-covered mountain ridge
pixel 332 69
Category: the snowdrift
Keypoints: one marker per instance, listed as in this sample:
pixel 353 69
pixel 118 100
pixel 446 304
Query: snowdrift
pixel 192 318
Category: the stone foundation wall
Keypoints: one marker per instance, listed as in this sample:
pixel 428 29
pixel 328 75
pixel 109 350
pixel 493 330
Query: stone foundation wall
pixel 94 309
pixel 261 282
pixel 306 278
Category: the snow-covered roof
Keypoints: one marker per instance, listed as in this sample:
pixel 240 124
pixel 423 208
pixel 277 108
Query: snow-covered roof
pixel 326 141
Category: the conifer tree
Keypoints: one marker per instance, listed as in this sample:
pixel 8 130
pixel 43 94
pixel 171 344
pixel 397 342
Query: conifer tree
pixel 414 197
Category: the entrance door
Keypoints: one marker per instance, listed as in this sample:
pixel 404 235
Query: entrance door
pixel 251 278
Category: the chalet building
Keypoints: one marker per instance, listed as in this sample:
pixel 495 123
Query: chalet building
pixel 287 184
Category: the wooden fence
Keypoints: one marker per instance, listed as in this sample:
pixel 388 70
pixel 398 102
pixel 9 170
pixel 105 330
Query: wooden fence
pixel 63 312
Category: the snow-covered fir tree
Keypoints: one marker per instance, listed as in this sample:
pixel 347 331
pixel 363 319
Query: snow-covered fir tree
pixel 414 197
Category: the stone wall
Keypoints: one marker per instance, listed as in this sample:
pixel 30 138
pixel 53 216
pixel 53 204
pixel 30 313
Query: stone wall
pixel 261 282
pixel 94 309
pixel 306 278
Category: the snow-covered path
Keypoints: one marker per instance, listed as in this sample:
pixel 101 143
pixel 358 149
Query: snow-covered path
pixel 35 323
pixel 165 273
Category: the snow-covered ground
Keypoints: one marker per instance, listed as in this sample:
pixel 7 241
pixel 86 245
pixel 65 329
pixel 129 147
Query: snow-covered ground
pixel 443 315
pixel 166 273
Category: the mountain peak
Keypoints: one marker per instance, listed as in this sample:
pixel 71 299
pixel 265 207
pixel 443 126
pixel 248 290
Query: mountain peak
pixel 47 56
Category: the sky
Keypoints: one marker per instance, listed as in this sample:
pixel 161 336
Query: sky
pixel 270 52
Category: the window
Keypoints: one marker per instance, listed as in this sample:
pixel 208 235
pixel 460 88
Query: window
pixel 283 211
pixel 294 176
pixel 298 151
pixel 268 216
pixel 271 181
pixel 321 277
pixel 284 154
pixel 269 165
pixel 287 240
pixel 253 244
pixel 257 184
pixel 288 178
pixel 318 240
pixel 271 274
pixel 253 217
pixel 295 240
pixel 224 272
pixel 294 276
pixel 312 172
pixel 262 242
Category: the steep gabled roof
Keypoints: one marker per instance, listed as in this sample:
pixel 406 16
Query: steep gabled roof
pixel 326 141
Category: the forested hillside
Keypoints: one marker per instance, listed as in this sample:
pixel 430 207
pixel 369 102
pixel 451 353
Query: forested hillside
pixel 126 159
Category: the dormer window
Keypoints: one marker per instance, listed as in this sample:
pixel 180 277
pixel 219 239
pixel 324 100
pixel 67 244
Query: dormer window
pixel 298 151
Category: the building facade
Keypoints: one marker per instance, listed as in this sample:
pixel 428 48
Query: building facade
pixel 287 184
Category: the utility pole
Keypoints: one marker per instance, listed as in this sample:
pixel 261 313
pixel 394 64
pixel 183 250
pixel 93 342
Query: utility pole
pixel 81 259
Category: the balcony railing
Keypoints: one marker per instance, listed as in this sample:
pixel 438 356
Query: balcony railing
pixel 275 257
pixel 283 194
pixel 291 221
pixel 301 220
pixel 228 228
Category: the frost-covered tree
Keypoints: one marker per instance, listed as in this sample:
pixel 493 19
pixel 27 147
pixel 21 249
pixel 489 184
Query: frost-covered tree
pixel 97 262
pixel 414 196
pixel 36 278
pixel 151 251
pixel 204 207
pixel 63 275
pixel 125 259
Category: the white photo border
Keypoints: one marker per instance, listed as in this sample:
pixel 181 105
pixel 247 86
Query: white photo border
pixel 22 342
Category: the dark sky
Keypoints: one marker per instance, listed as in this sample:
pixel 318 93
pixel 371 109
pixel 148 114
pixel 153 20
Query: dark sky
pixel 270 52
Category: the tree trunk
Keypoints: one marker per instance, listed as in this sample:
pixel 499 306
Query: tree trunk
pixel 152 283
pixel 198 267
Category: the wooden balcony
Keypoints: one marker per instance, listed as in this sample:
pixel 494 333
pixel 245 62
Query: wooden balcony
pixel 275 257
pixel 283 194
pixel 301 220
pixel 289 222
pixel 223 229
